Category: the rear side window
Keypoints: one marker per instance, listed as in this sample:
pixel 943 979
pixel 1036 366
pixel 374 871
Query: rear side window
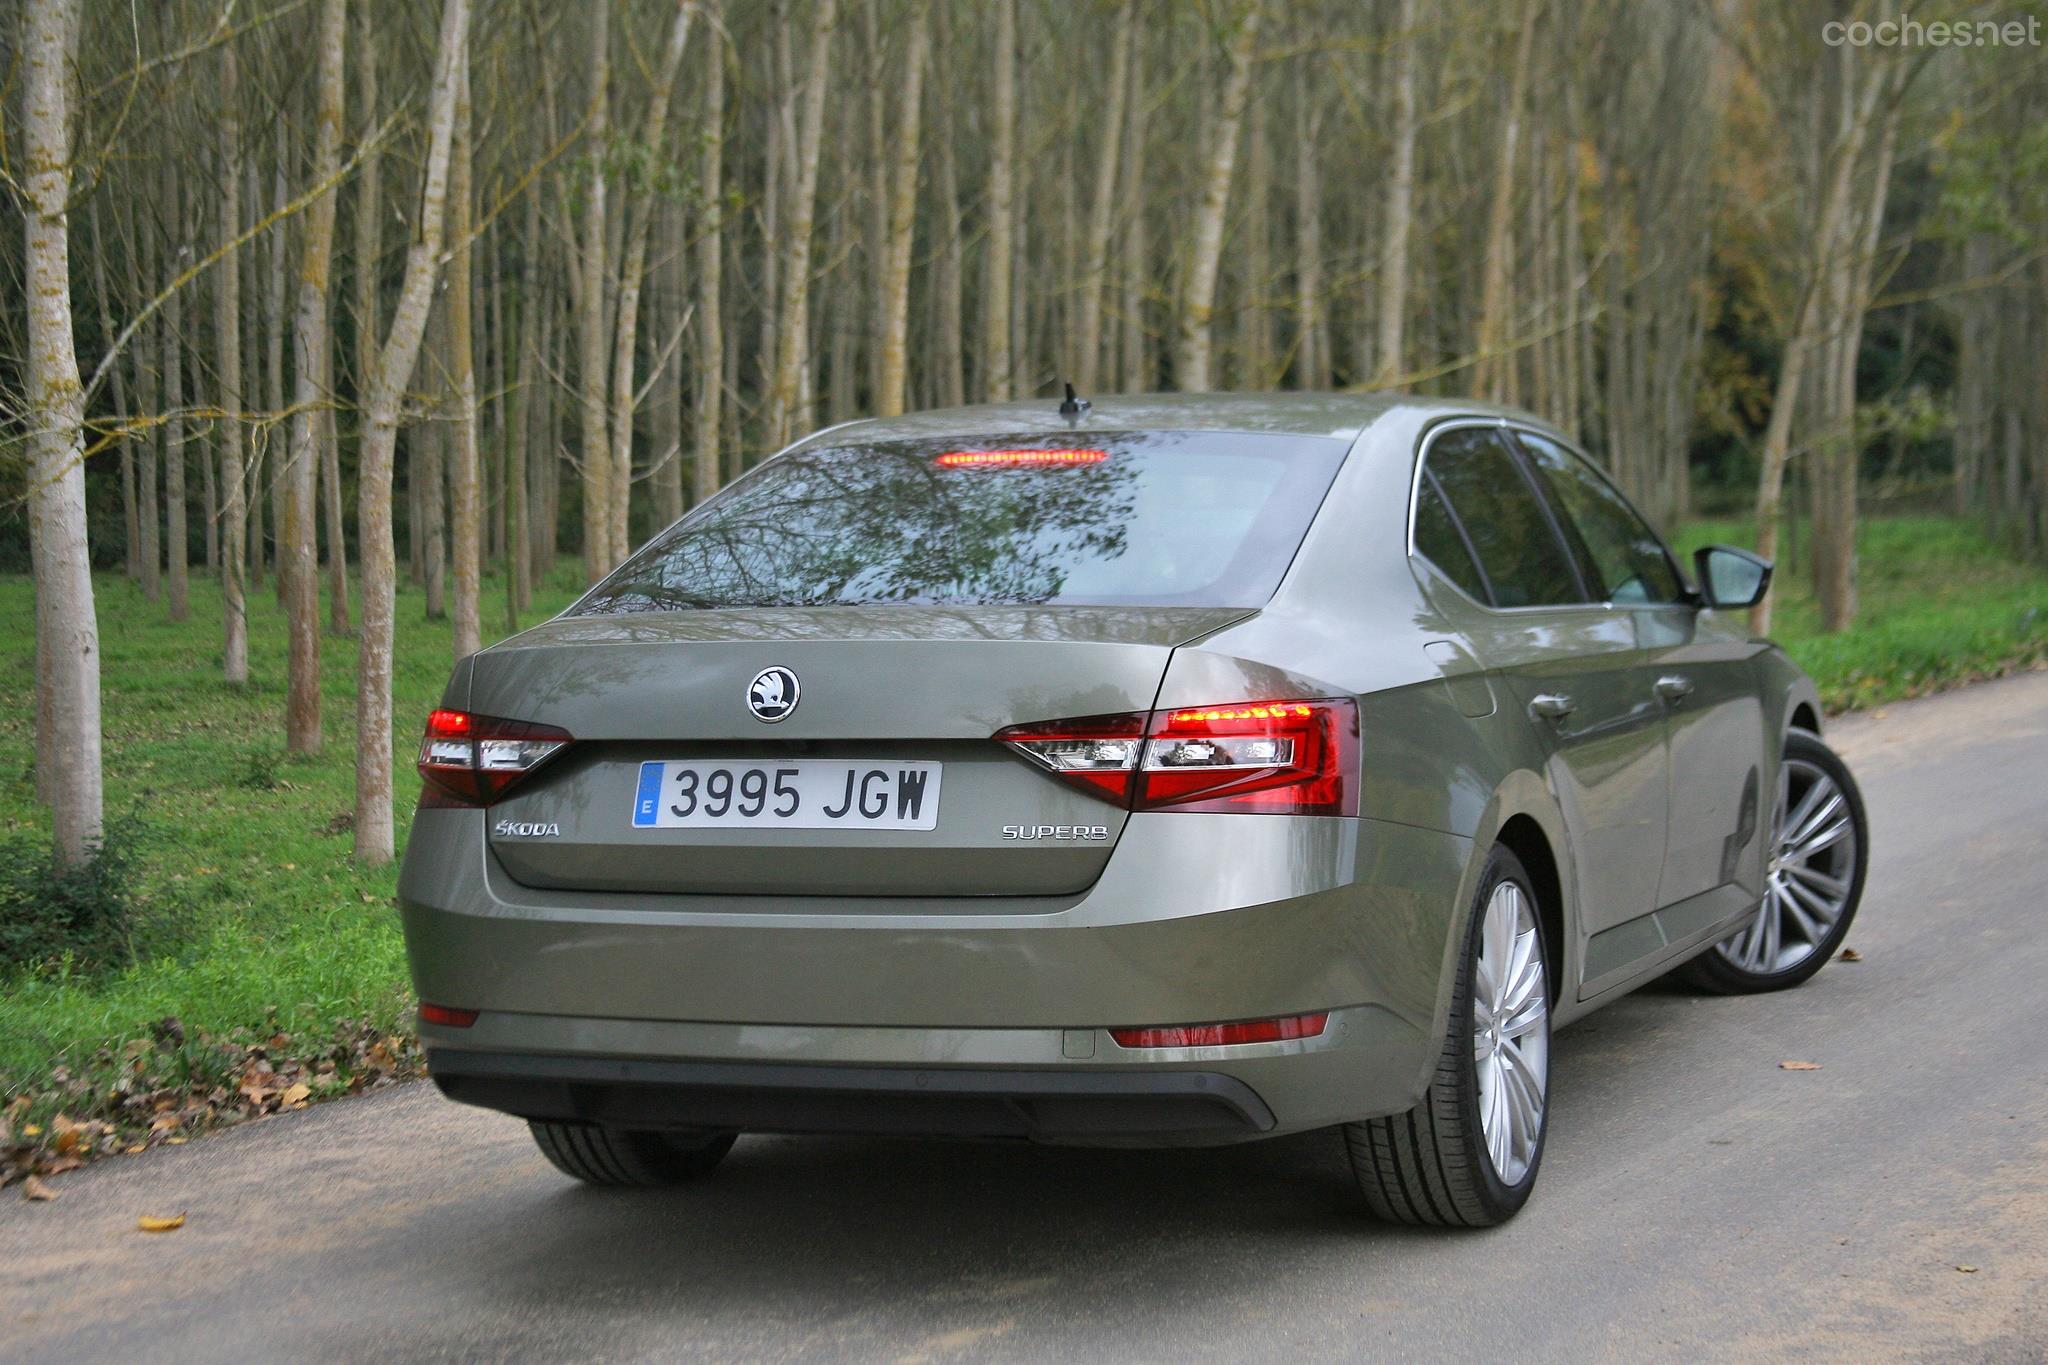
pixel 1614 540
pixel 1508 527
pixel 1135 518
pixel 1439 538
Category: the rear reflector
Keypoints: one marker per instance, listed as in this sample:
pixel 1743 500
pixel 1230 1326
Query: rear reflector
pixel 474 760
pixel 1224 1035
pixel 447 1016
pixel 969 459
pixel 1265 757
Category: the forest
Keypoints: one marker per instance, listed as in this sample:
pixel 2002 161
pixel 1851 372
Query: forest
pixel 334 299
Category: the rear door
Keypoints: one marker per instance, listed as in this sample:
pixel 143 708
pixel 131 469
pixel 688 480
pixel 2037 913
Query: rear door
pixel 1702 676
pixel 1573 665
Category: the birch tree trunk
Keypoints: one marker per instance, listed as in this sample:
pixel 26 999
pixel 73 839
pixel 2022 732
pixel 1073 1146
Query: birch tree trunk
pixel 1312 360
pixel 227 321
pixel 948 309
pixel 1805 335
pixel 177 581
pixel 518 517
pixel 632 275
pixel 709 440
pixel 597 463
pixel 1087 357
pixel 794 344
pixel 1490 375
pixel 465 474
pixel 387 381
pixel 1002 156
pixel 142 258
pixel 67 624
pixel 902 219
pixel 1191 367
pixel 1400 205
pixel 299 565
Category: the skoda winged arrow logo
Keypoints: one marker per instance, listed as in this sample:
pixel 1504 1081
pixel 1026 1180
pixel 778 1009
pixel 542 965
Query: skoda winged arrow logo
pixel 772 695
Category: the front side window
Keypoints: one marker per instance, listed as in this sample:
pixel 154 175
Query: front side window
pixel 1131 518
pixel 1615 543
pixel 1508 527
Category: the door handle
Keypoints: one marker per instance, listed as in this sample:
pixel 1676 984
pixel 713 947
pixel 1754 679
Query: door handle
pixel 1674 688
pixel 1555 705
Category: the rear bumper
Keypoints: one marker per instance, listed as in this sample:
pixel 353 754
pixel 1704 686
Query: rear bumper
pixel 1044 1106
pixel 1199 919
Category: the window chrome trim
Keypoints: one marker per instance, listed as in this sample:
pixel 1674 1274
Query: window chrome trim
pixel 1422 451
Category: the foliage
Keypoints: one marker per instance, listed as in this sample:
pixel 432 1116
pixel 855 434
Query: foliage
pixel 84 919
pixel 1941 605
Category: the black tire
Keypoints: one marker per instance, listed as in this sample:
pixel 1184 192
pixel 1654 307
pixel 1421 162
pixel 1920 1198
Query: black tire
pixel 599 1155
pixel 1713 970
pixel 1430 1166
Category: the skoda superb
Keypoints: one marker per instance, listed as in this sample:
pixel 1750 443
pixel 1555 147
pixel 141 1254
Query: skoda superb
pixel 1190 770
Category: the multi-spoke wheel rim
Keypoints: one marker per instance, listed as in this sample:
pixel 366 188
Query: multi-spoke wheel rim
pixel 1510 1032
pixel 1809 878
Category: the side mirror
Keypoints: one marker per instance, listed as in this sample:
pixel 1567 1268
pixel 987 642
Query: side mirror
pixel 1730 577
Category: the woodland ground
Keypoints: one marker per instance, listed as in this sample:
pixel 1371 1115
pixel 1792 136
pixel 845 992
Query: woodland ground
pixel 276 954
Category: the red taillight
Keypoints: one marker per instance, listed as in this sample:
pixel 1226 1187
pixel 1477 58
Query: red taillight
pixel 447 1016
pixel 973 459
pixel 1224 1035
pixel 1266 757
pixel 474 760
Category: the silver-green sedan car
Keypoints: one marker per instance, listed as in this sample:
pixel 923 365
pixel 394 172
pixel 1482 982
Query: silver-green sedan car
pixel 1190 769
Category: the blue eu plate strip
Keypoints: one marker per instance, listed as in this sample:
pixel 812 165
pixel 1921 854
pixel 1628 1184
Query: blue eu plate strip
pixel 649 797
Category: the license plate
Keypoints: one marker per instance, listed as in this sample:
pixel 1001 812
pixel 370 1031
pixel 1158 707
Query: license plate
pixel 801 793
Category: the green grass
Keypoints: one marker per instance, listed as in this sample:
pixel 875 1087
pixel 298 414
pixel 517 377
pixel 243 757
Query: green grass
pixel 1938 604
pixel 280 931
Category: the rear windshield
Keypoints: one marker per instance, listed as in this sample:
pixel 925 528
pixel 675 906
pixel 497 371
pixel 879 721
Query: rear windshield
pixel 1145 519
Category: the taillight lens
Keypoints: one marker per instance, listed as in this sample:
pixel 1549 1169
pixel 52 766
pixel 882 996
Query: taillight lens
pixel 1265 757
pixel 471 760
pixel 1225 1035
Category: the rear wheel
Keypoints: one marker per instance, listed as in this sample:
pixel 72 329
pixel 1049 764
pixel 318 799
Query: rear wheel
pixel 599 1155
pixel 1467 1155
pixel 1813 880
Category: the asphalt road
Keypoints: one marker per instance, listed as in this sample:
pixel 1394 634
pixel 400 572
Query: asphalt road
pixel 1696 1199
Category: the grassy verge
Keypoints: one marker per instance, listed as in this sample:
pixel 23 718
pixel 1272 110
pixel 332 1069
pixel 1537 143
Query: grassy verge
pixel 1938 605
pixel 271 969
pixel 271 948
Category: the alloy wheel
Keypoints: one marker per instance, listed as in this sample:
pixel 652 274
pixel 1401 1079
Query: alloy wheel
pixel 1510 1033
pixel 1809 877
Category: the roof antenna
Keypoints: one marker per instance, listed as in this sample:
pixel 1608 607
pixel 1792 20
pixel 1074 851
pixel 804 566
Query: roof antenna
pixel 1074 407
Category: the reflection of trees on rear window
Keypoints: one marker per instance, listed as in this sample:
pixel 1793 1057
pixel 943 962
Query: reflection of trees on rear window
pixel 1165 518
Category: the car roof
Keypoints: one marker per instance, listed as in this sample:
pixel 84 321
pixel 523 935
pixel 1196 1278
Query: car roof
pixel 1343 416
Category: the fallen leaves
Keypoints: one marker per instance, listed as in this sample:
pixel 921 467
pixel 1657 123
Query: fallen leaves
pixel 161 1090
pixel 146 1223
pixel 1798 1066
pixel 1850 955
pixel 1967 1269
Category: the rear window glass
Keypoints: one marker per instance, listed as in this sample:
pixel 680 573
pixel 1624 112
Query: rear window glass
pixel 1153 518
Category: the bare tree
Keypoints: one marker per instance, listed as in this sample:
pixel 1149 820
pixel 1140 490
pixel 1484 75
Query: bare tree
pixel 227 320
pixel 1102 205
pixel 310 344
pixel 1400 202
pixel 1191 366
pixel 373 834
pixel 902 223
pixel 710 275
pixel 793 350
pixel 67 623
pixel 465 473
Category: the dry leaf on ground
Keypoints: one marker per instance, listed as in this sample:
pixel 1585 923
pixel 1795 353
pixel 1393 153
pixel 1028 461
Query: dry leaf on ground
pixel 34 1188
pixel 1851 955
pixel 1798 1066
pixel 148 1223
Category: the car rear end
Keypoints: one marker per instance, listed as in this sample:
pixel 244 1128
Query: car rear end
pixel 913 786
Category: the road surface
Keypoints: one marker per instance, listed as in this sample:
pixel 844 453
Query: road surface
pixel 1696 1199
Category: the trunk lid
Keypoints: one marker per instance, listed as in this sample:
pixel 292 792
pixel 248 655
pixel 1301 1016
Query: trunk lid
pixel 880 686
